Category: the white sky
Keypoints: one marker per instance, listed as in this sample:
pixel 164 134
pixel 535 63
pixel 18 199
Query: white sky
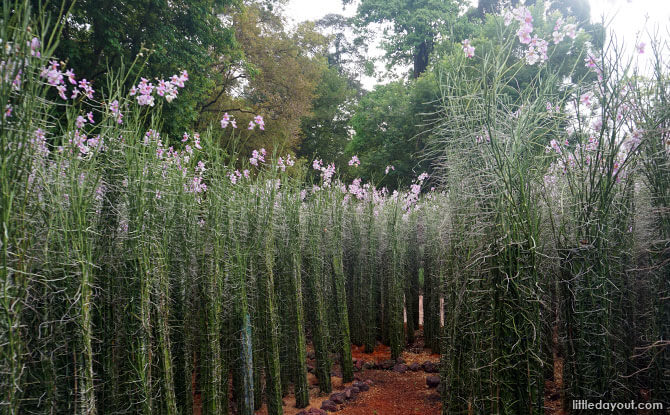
pixel 629 19
pixel 300 10
pixel 629 16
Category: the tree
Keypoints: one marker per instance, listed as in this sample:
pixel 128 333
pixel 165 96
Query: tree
pixel 390 127
pixel 491 6
pixel 326 131
pixel 579 9
pixel 415 27
pixel 348 46
pixel 276 79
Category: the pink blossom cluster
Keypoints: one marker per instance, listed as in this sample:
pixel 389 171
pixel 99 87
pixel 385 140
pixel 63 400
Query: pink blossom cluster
pixel 167 89
pixel 327 172
pixel 551 108
pixel 354 161
pixel 358 190
pixel 388 169
pixel 592 144
pixel 39 143
pixel 55 77
pixel 586 98
pixel 537 51
pixel 196 141
pixel 151 135
pixel 197 185
pixel 180 160
pixel 257 156
pixel 522 15
pixel 34 45
pixel 379 198
pixel 228 120
pixel 553 145
pixel 633 140
pixel 640 47
pixel 468 49
pixel 194 181
pixel 591 62
pixel 85 144
pixel 364 191
pixel 80 140
pixel 236 175
pixel 16 83
pixel 116 111
pixel 412 197
pixel 282 163
pixel 561 30
pixel 258 120
pixel 591 153
pixel 537 47
pixel 81 121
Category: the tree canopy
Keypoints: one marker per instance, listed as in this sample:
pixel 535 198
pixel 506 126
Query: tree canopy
pixel 277 78
pixel 390 125
pixel 411 28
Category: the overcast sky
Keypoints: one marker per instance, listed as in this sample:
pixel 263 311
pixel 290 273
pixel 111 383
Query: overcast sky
pixel 627 18
pixel 629 15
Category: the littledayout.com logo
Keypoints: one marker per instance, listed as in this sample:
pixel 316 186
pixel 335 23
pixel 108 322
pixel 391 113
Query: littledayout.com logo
pixel 615 406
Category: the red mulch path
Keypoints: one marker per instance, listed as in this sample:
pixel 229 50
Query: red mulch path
pixel 382 352
pixel 392 394
pixel 395 393
pixel 553 388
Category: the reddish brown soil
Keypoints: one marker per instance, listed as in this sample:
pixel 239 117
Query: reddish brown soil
pixel 381 353
pixel 197 398
pixel 315 398
pixel 396 393
pixel 553 401
pixel 392 393
pixel 553 388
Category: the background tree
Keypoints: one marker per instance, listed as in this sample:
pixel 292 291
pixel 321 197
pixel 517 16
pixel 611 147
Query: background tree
pixel 348 48
pixel 390 128
pixel 276 79
pixel 327 130
pixel 579 9
pixel 411 27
